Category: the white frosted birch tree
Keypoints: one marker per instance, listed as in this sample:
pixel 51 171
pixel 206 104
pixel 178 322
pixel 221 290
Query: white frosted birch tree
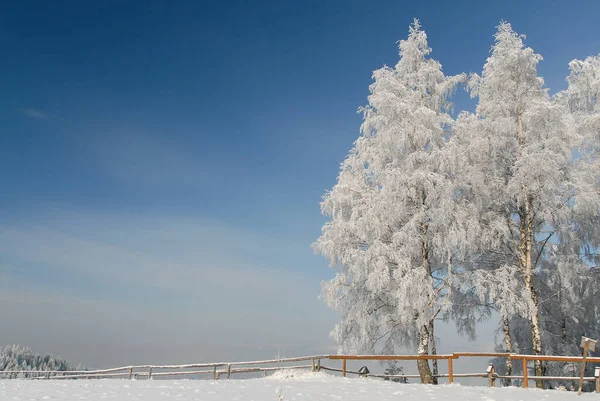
pixel 536 201
pixel 391 233
pixel 570 277
pixel 500 210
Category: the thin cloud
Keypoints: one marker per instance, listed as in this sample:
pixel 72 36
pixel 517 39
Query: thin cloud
pixel 36 114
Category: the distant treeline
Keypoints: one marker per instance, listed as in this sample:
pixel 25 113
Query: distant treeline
pixel 19 358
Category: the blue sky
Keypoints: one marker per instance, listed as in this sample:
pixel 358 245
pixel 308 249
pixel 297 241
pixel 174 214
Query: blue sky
pixel 162 162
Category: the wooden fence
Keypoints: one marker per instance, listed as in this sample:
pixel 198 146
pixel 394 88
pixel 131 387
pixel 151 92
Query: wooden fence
pixel 490 372
pixel 216 369
pixel 226 369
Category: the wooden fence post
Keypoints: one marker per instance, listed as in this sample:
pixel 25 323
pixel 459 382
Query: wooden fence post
pixel 525 378
pixel 215 372
pixel 586 344
pixel 450 371
pixel 130 373
pixel 597 376
pixel 344 367
pixel 265 373
pixel 312 362
pixel 318 365
pixel 150 373
pixel 491 375
pixel 228 371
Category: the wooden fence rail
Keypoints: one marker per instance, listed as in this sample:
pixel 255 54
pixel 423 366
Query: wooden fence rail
pixel 490 374
pixel 219 369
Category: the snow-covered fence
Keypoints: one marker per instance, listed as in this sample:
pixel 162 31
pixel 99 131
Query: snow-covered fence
pixel 314 363
pixel 552 358
pixel 490 374
pixel 216 370
pixel 448 357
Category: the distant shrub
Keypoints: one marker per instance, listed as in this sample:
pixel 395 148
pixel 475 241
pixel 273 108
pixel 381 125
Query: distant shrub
pixel 394 369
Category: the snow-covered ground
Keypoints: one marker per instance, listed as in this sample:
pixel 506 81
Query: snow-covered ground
pixel 311 387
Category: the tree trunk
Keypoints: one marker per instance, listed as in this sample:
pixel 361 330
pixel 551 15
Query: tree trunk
pixel 526 265
pixel 434 362
pixel 526 250
pixel 536 335
pixel 508 348
pixel 424 334
pixel 423 364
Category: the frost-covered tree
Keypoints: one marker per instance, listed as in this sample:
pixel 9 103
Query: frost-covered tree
pixel 23 359
pixel 570 279
pixel 392 231
pixel 536 203
pixel 568 304
pixel 583 105
pixel 499 210
pixel 583 93
pixel 492 264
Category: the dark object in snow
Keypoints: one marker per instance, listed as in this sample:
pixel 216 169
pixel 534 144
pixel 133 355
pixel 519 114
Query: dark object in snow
pixel 363 371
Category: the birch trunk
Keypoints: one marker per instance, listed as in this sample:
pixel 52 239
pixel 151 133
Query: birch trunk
pixel 423 364
pixel 525 250
pixel 508 348
pixel 423 349
pixel 434 363
pixel 526 263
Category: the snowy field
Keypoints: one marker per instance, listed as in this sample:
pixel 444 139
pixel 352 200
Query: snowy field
pixel 311 387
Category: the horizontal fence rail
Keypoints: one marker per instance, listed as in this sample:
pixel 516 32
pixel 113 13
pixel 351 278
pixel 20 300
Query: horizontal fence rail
pixel 225 369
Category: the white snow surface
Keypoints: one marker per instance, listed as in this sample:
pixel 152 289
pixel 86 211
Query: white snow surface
pixel 309 387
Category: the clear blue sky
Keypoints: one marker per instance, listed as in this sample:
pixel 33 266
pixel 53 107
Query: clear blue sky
pixel 164 161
